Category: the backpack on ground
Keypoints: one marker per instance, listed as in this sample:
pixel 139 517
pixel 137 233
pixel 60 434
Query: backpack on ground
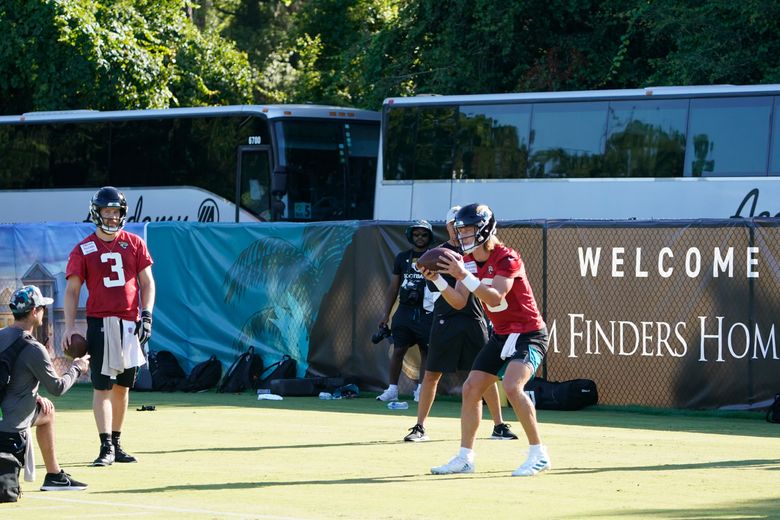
pixel 204 376
pixel 12 448
pixel 143 379
pixel 773 414
pixel 7 362
pixel 306 386
pixel 574 394
pixel 166 371
pixel 243 374
pixel 285 368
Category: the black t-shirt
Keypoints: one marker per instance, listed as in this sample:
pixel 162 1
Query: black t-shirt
pixel 442 309
pixel 412 290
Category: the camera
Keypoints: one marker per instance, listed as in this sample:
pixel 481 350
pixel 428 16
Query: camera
pixel 382 333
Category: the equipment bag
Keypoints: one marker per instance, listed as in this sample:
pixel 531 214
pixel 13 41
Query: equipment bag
pixel 285 368
pixel 143 379
pixel 12 448
pixel 204 376
pixel 243 374
pixel 773 414
pixel 563 395
pixel 166 372
pixel 307 386
pixel 7 362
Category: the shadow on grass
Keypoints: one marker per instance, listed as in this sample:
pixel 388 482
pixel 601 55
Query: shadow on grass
pixel 769 508
pixel 345 481
pixel 769 464
pixel 289 446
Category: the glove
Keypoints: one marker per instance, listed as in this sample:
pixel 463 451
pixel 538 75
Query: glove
pixel 144 327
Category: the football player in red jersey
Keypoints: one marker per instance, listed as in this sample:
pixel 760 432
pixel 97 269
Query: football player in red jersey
pixel 115 265
pixel 496 275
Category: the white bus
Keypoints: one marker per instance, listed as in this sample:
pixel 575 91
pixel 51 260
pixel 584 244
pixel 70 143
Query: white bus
pixel 653 153
pixel 224 164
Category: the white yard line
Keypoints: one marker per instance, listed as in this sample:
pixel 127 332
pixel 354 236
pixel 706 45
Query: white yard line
pixel 150 507
pixel 103 515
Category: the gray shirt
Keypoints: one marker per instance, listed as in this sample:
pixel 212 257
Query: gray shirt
pixel 33 366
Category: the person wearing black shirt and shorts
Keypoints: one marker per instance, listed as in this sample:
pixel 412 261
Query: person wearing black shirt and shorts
pixel 456 338
pixel 411 321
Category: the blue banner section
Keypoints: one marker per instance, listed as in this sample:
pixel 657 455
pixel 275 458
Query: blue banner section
pixel 38 254
pixel 222 289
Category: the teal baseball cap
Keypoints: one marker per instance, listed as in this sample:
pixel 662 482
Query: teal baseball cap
pixel 28 298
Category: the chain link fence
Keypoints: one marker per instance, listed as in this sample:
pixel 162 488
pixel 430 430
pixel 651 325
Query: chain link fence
pixel 666 314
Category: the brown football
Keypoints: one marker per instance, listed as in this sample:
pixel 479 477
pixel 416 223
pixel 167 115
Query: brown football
pixel 78 346
pixel 430 258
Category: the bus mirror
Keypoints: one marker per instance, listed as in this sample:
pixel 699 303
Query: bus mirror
pixel 279 181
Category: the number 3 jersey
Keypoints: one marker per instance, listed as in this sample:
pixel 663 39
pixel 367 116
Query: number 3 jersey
pixel 110 270
pixel 517 312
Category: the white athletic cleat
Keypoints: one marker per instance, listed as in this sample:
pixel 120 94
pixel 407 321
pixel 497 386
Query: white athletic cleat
pixel 388 395
pixel 533 465
pixel 458 464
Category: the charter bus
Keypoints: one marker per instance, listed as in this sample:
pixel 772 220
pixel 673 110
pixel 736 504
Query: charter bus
pixel 652 153
pixel 212 164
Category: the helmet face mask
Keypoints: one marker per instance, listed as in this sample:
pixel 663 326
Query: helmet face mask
pixel 474 225
pixel 108 197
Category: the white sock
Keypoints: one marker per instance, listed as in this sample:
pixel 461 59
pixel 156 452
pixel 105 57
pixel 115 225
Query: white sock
pixel 537 449
pixel 393 388
pixel 466 453
pixel 419 386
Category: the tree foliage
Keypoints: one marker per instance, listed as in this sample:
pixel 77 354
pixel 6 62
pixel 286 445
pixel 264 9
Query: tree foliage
pixel 69 54
pixel 58 54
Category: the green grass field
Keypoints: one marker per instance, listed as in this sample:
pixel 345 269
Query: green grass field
pixel 230 456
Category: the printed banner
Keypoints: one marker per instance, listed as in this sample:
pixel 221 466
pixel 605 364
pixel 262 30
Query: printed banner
pixel 224 288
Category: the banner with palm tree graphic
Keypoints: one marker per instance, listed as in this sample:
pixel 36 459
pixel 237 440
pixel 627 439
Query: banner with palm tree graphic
pixel 221 289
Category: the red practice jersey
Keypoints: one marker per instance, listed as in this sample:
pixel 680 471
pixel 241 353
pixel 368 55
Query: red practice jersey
pixel 110 270
pixel 517 312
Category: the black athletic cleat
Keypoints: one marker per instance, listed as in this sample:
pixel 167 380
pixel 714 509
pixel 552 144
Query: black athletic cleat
pixel 416 434
pixel 502 432
pixel 61 482
pixel 106 457
pixel 122 456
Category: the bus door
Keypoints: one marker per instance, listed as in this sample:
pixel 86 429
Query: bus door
pixel 253 182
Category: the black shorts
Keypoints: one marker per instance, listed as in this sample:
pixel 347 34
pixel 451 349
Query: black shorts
pixel 530 349
pixel 455 342
pixel 95 345
pixel 411 326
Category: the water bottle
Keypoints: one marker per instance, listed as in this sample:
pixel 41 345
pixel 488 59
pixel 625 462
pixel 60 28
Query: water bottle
pixel 398 405
pixel 326 395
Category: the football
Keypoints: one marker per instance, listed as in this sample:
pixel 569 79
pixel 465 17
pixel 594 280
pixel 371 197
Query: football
pixel 430 259
pixel 78 346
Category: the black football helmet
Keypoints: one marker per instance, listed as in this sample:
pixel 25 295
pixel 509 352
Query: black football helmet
pixel 420 224
pixel 108 197
pixel 481 217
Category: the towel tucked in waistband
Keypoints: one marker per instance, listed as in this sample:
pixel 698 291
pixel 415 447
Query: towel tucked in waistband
pixel 510 346
pixel 121 348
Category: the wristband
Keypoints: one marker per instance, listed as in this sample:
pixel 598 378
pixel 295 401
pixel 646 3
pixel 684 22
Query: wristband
pixel 440 283
pixel 471 282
